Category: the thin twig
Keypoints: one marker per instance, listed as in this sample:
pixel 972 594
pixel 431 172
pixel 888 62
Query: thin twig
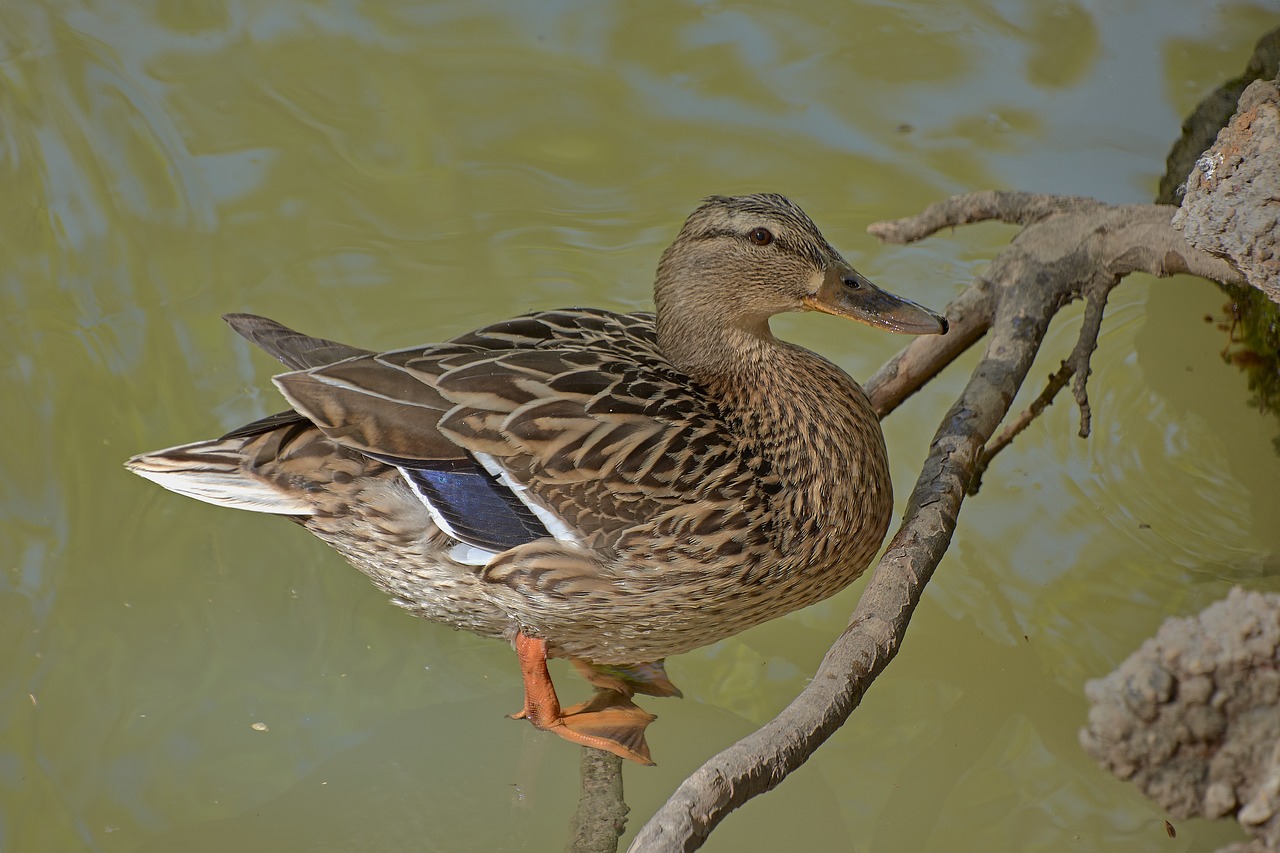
pixel 1057 381
pixel 1095 295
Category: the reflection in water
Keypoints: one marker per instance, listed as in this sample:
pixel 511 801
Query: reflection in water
pixel 401 172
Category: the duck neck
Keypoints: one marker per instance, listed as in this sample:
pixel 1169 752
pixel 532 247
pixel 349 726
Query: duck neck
pixel 808 419
pixel 808 416
pixel 711 352
pixel 703 327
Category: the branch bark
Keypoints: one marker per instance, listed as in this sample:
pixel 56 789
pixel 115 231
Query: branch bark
pixel 601 816
pixel 1069 247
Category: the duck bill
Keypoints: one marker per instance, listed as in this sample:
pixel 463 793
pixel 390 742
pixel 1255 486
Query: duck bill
pixel 847 293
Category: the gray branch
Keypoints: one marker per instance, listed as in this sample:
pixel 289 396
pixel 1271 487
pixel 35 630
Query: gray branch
pixel 1068 247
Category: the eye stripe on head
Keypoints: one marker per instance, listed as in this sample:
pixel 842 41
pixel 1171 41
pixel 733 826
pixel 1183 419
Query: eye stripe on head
pixel 739 218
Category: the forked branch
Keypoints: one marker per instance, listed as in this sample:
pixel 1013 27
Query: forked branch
pixel 1068 248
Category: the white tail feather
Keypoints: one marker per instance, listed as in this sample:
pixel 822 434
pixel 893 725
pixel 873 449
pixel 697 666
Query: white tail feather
pixel 214 472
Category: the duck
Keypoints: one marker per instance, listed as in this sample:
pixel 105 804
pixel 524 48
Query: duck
pixel 611 488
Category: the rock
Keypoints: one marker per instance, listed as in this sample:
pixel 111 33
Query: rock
pixel 1232 200
pixel 1192 717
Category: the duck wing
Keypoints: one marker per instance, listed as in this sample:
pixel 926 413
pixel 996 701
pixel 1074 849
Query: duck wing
pixel 565 423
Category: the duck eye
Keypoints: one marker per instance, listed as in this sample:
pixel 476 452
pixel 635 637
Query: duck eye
pixel 760 236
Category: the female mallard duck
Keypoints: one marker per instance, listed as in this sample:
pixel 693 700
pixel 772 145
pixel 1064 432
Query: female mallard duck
pixel 610 488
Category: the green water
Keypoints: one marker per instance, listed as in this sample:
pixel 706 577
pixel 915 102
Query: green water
pixel 392 173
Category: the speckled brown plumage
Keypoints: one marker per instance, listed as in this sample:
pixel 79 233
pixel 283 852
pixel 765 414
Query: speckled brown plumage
pixel 708 476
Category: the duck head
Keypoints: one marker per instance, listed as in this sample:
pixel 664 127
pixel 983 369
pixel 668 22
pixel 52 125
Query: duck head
pixel 739 260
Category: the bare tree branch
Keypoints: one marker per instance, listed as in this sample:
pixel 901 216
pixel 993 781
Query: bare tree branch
pixel 1069 247
pixel 1014 207
pixel 1095 295
pixel 1057 381
pixel 602 812
pixel 970 317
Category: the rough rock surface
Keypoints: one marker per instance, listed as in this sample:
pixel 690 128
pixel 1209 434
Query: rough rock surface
pixel 1232 204
pixel 1193 717
pixel 1212 114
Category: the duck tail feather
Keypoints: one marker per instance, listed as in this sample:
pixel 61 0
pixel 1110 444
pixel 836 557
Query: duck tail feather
pixel 293 349
pixel 216 472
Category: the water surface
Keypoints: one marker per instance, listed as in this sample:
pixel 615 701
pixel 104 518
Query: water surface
pixel 185 677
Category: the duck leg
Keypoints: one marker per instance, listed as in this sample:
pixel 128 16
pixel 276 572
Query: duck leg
pixel 609 720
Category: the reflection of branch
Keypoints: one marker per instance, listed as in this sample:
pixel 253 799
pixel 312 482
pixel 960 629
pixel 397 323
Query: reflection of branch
pixel 1068 247
pixel 602 813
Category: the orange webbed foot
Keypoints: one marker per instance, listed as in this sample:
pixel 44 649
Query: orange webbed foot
pixel 609 720
pixel 629 679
